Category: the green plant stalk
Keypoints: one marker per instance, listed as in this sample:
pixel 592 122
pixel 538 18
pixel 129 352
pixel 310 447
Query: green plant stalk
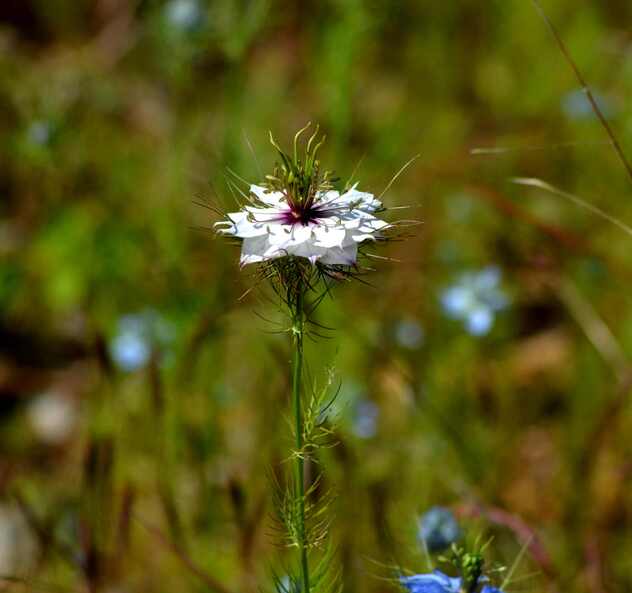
pixel 297 329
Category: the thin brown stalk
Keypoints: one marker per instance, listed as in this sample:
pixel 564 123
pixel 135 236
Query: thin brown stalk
pixel 585 87
pixel 208 580
pixel 523 531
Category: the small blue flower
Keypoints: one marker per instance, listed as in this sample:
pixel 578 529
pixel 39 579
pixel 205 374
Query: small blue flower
pixel 286 584
pixel 366 418
pixel 435 582
pixel 438 529
pixel 184 15
pixel 409 334
pixel 136 335
pixel 39 132
pixel 475 299
pixel 577 106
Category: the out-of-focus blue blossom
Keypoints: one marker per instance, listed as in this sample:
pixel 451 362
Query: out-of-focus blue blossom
pixel 39 132
pixel 131 347
pixel 475 299
pixel 184 15
pixel 490 589
pixel 288 585
pixel 136 335
pixel 366 419
pixel 460 207
pixel 448 251
pixel 435 582
pixel 438 529
pixel 577 106
pixel 409 334
pixel 284 583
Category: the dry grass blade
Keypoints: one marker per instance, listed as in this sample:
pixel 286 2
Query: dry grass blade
pixel 596 330
pixel 525 546
pixel 395 177
pixel 494 150
pixel 253 153
pixel 355 170
pixel 534 182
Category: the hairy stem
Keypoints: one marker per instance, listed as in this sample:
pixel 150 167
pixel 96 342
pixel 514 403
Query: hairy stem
pixel 297 373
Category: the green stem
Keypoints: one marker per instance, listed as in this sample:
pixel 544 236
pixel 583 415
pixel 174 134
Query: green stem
pixel 298 416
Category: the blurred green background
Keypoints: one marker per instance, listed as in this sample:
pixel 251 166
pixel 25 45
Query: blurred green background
pixel 142 404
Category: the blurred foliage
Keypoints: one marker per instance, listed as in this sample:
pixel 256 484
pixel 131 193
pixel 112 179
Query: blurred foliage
pixel 141 402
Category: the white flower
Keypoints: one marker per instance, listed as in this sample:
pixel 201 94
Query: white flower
pixel 327 229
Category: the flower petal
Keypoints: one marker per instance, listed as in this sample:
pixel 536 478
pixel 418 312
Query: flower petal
pixel 243 226
pixel 286 235
pixel 340 256
pixel 436 582
pixel 360 200
pixel 252 250
pixel 329 236
pixel 273 198
pixel 479 321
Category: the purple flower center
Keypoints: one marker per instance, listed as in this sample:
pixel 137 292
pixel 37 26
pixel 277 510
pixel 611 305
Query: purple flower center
pixel 300 214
